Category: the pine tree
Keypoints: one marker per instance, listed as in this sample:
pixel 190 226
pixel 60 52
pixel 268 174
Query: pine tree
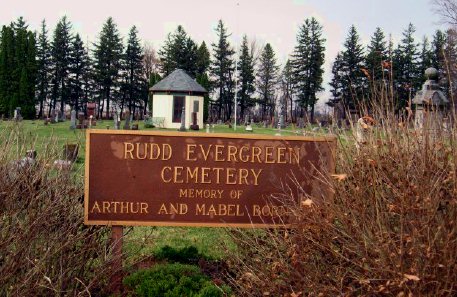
pixel 222 69
pixel 61 46
pixel 377 53
pixel 288 86
pixel 426 57
pixel 79 68
pixel 352 83
pixel 246 77
pixel 107 65
pixel 7 66
pixel 179 51
pixel 17 69
pixel 438 44
pixel 308 61
pixel 449 73
pixel 267 79
pixel 336 83
pixel 406 67
pixel 43 68
pixel 135 87
pixel 203 64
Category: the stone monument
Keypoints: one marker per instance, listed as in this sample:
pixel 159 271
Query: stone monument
pixel 194 125
pixel 431 103
pixel 183 121
pixel 73 120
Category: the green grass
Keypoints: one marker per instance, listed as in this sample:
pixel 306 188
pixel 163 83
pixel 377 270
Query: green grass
pixel 139 241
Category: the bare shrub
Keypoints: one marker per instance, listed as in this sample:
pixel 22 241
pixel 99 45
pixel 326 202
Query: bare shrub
pixel 45 249
pixel 389 229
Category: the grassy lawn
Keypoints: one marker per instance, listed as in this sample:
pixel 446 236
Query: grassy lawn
pixel 48 140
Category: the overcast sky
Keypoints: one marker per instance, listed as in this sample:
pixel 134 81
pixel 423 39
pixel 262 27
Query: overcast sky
pixel 273 21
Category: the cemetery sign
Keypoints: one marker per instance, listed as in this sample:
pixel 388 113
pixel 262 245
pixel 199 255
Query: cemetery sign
pixel 196 179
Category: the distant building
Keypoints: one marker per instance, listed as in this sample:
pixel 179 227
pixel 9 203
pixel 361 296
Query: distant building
pixel 173 93
pixel 430 102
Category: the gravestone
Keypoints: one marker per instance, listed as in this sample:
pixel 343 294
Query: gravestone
pixel 127 121
pixel 81 122
pixel 194 125
pixel 183 120
pixel 135 127
pixel 17 114
pixel 246 120
pixel 207 128
pixel 90 121
pixel 73 120
pixel 91 109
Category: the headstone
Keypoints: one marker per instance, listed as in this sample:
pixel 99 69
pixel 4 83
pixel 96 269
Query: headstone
pixel 70 152
pixel 363 128
pixel 135 127
pixel 81 123
pixel 91 109
pixel 207 128
pixel 246 120
pixel 194 125
pixel 17 114
pixel 73 120
pixel 127 121
pixel 183 120
pixel 249 128
pixel 90 121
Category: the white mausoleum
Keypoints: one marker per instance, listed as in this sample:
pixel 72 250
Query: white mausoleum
pixel 173 93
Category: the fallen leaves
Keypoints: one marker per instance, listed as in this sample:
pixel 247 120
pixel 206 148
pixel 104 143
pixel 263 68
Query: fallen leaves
pixel 307 203
pixel 339 177
pixel 411 277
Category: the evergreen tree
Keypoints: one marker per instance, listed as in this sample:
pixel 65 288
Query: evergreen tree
pixel 246 78
pixel 79 68
pixel 222 69
pixel 438 44
pixel 17 69
pixel 426 57
pixel 336 83
pixel 135 87
pixel 449 73
pixel 350 80
pixel 406 67
pixel 267 78
pixel 61 46
pixel 203 59
pixel 179 51
pixel 377 53
pixel 203 64
pixel 43 68
pixel 107 65
pixel 308 63
pixel 287 84
pixel 8 84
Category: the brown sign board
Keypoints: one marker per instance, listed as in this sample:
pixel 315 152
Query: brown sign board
pixel 163 178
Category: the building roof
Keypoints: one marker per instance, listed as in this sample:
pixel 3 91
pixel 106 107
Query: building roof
pixel 178 81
